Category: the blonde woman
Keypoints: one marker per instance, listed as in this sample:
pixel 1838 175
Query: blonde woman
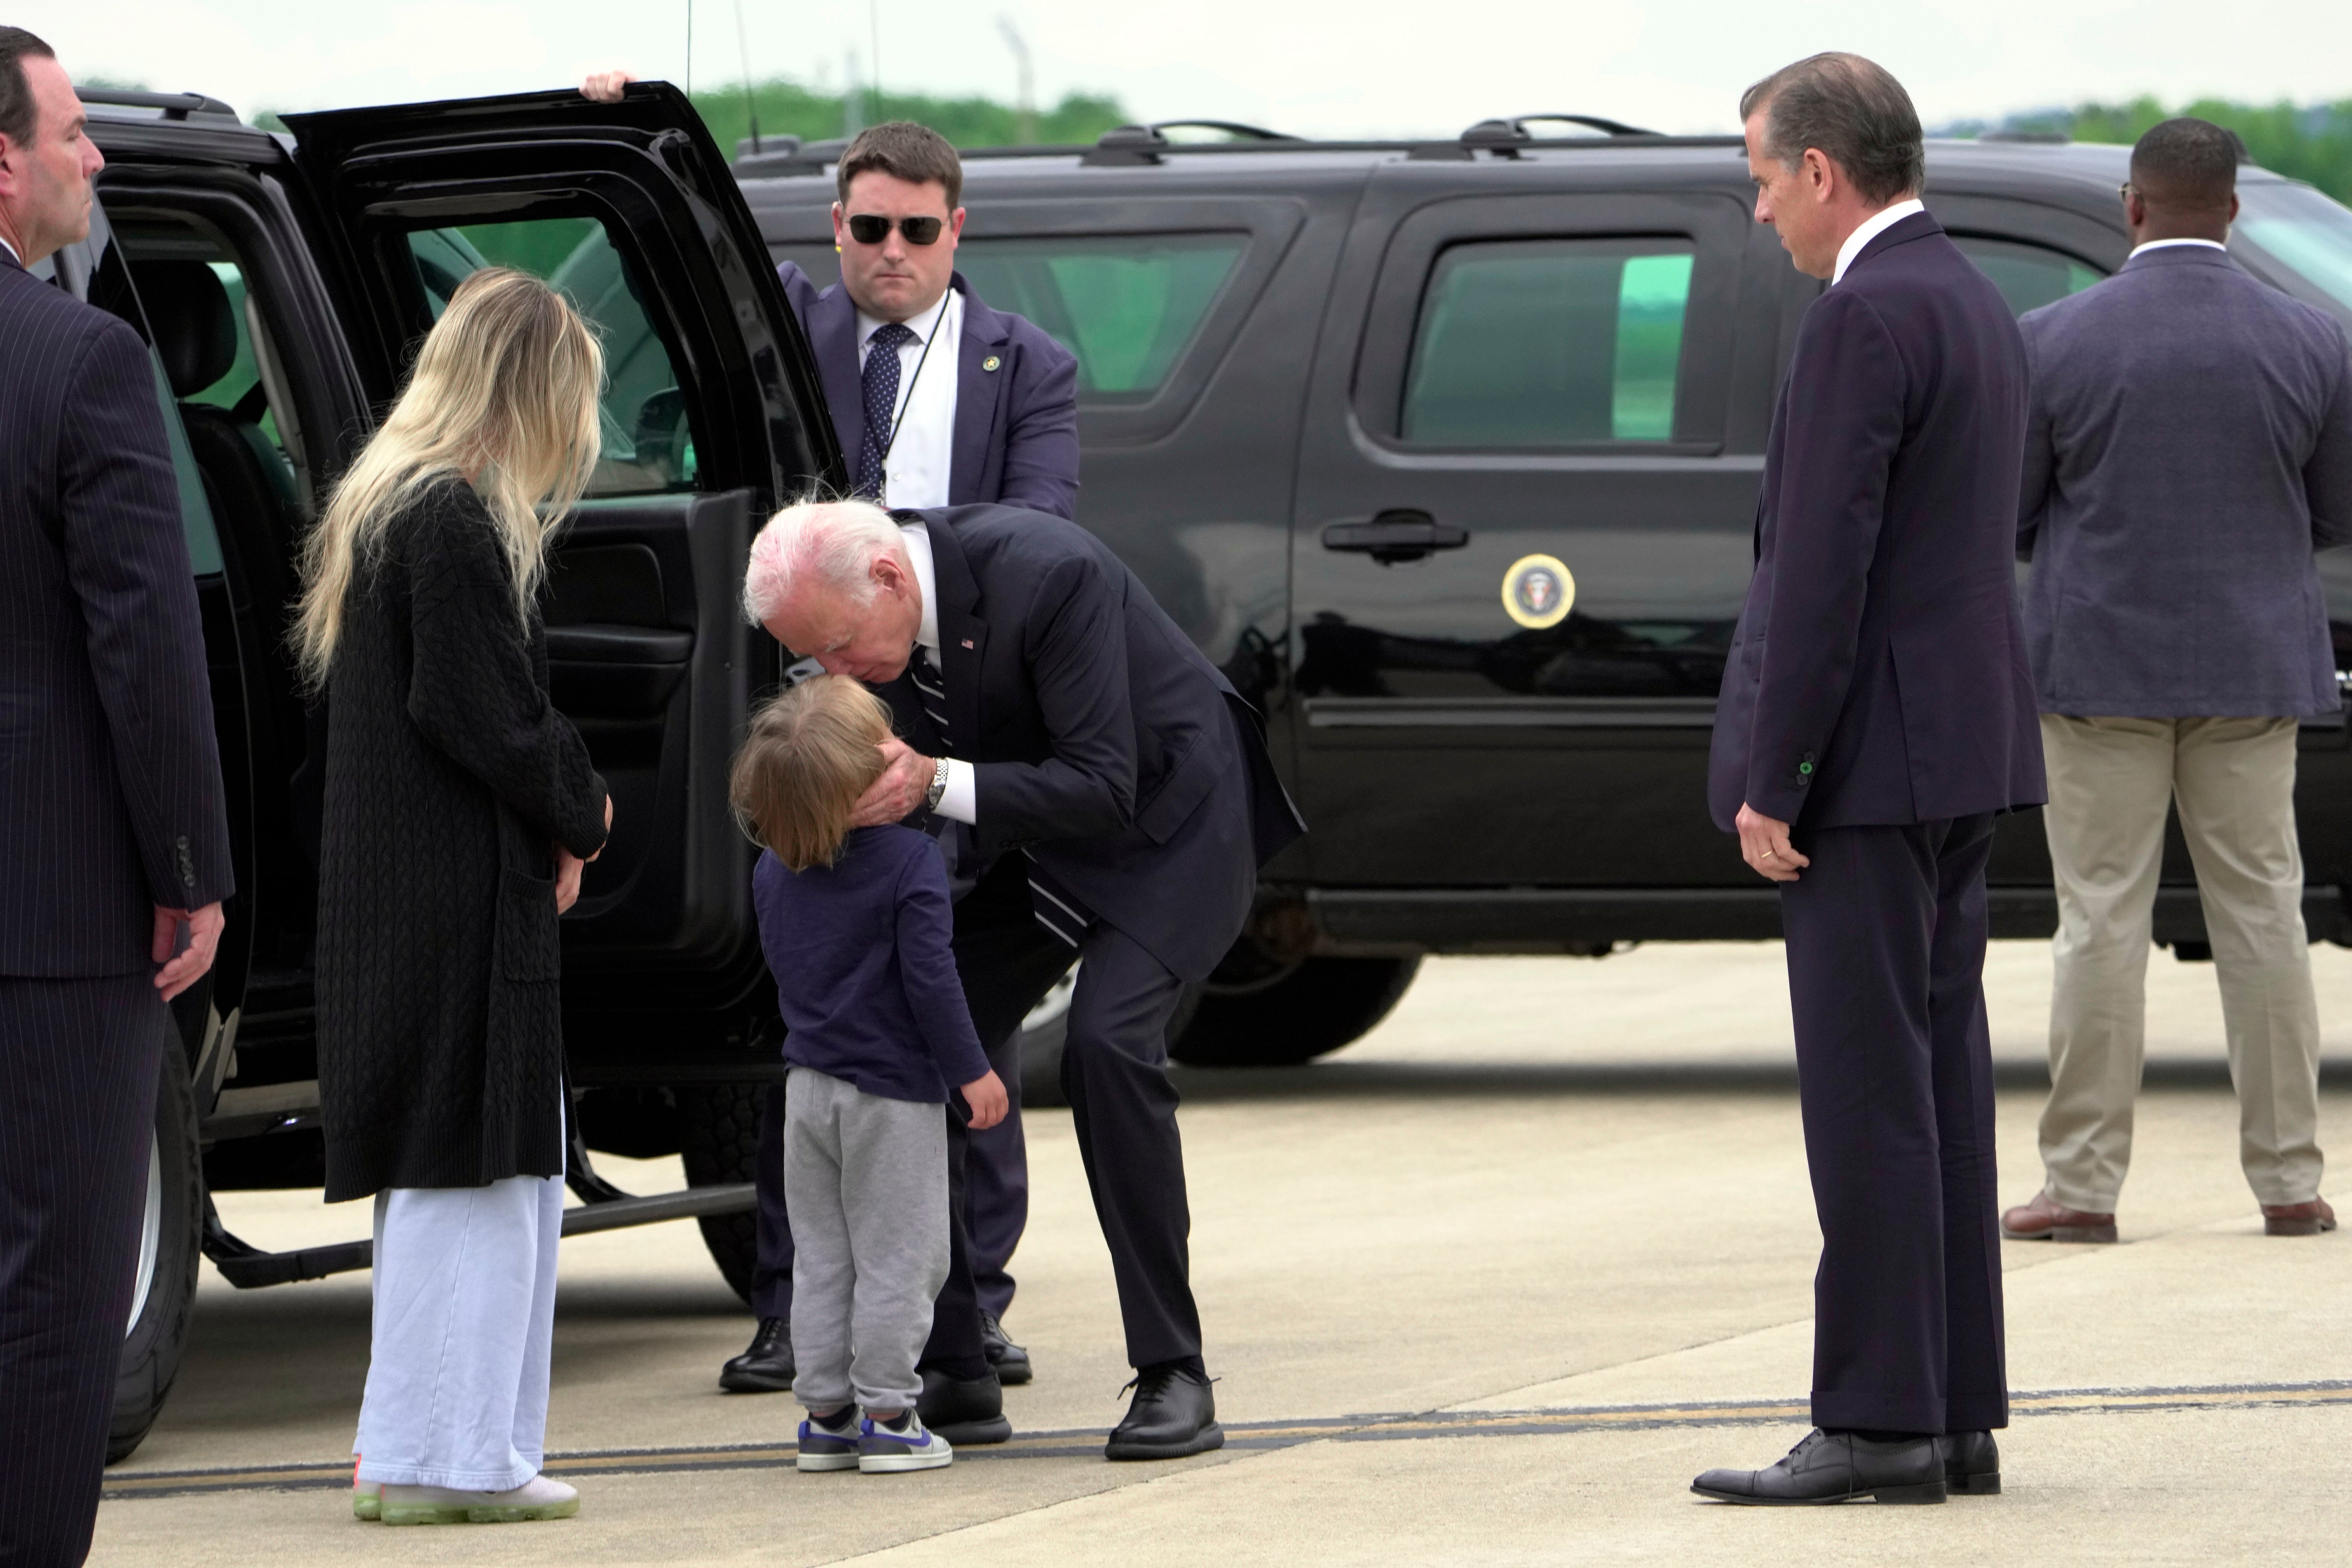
pixel 459 809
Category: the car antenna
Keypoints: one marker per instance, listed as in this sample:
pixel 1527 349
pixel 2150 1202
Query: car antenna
pixel 743 52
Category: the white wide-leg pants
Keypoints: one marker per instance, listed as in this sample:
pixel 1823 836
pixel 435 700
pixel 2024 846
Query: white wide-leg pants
pixel 465 1322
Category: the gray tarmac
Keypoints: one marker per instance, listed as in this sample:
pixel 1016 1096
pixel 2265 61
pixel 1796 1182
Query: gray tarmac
pixel 1488 1287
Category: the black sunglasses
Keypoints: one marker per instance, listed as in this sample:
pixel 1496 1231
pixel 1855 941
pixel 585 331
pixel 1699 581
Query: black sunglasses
pixel 865 228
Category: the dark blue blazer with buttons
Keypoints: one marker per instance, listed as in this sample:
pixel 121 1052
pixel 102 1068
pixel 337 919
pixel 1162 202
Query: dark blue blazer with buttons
pixel 110 782
pixel 1878 675
pixel 1016 424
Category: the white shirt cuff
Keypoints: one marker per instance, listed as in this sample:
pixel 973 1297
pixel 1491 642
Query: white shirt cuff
pixel 962 801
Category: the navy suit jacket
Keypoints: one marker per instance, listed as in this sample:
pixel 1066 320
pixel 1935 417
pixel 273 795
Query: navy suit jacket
pixel 110 784
pixel 1102 741
pixel 2190 446
pixel 1016 426
pixel 1878 676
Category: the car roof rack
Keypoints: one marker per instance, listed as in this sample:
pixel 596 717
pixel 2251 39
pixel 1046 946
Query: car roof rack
pixel 784 157
pixel 1132 144
pixel 174 105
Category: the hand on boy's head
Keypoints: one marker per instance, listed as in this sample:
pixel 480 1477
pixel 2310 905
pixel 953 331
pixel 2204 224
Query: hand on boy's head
pixel 987 1098
pixel 905 779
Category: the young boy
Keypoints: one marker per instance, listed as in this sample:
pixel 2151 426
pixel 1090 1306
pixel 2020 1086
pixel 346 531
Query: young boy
pixel 856 929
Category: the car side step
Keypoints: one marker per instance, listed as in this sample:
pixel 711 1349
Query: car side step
pixel 248 1268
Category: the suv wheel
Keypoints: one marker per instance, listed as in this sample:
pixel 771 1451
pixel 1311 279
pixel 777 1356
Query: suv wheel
pixel 171 1247
pixel 719 1134
pixel 1316 1008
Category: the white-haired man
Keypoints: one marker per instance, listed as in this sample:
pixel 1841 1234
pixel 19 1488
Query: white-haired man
pixel 1119 800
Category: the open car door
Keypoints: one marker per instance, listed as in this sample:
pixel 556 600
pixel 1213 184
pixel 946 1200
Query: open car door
pixel 712 417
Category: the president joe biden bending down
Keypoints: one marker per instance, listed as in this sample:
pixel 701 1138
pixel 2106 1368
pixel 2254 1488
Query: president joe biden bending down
pixel 1109 799
pixel 1877 713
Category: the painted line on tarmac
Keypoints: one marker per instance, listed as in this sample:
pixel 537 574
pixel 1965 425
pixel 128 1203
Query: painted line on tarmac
pixel 1087 1442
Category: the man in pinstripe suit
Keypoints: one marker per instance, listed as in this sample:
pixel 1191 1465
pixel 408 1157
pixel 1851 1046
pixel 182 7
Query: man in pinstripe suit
pixel 113 843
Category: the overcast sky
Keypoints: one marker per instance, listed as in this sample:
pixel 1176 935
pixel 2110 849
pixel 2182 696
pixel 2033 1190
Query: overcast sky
pixel 1325 67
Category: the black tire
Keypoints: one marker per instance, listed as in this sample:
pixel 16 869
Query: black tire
pixel 1314 1009
pixel 718 1130
pixel 170 1249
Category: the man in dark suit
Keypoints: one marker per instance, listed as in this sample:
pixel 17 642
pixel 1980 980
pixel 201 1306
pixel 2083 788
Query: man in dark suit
pixel 1119 801
pixel 937 401
pixel 1876 713
pixel 2190 446
pixel 113 845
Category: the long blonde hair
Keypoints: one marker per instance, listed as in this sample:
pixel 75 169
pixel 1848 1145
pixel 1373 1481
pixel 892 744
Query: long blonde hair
pixel 505 394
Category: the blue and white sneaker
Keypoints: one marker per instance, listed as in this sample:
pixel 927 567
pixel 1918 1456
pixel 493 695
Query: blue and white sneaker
pixel 910 1445
pixel 830 1446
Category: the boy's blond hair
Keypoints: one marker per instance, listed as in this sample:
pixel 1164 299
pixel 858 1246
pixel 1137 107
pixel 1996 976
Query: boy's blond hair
pixel 811 753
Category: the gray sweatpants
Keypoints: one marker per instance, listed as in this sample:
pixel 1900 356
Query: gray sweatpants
pixel 865 1182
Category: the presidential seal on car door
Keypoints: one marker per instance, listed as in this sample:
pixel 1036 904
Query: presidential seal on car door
pixel 1538 591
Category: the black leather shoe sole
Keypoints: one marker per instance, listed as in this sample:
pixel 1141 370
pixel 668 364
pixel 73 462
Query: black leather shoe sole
pixel 975 1434
pixel 1984 1485
pixel 1922 1492
pixel 1208 1438
pixel 755 1379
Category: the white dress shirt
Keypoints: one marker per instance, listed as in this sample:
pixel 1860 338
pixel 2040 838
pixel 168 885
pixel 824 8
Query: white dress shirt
pixel 12 252
pixel 916 473
pixel 1879 223
pixel 960 803
pixel 2160 244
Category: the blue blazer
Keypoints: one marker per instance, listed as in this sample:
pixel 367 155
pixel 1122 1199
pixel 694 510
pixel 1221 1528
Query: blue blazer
pixel 1878 676
pixel 1016 424
pixel 2190 446
pixel 110 797
pixel 1103 742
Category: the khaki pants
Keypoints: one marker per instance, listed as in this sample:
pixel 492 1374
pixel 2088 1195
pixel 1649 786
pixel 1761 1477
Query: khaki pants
pixel 2234 779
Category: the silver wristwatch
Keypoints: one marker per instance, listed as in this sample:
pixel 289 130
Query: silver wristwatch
pixel 938 792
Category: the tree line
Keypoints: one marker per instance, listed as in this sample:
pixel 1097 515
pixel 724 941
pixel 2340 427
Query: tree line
pixel 2312 142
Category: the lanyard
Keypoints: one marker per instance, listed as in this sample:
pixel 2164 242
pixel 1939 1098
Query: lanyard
pixel 938 325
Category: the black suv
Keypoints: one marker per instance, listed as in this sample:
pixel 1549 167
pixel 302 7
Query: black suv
pixel 1447 452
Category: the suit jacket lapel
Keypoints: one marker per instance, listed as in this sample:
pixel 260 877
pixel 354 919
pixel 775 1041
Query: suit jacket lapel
pixel 832 338
pixel 978 393
pixel 1918 225
pixel 964 636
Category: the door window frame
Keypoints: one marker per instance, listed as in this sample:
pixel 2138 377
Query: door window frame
pixel 1712 225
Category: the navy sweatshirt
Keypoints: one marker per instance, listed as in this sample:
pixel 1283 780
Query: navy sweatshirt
pixel 864 973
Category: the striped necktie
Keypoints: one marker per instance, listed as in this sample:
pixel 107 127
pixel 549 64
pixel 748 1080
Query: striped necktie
pixel 1062 912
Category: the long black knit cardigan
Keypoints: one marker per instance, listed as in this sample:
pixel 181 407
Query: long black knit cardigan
pixel 449 777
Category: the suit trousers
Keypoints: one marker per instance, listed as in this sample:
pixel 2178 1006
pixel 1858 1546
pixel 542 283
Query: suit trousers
pixel 1115 1072
pixel 996 1170
pixel 1885 934
pixel 80 1058
pixel 2233 781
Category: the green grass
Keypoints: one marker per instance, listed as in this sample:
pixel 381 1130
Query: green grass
pixel 2312 143
pixel 786 108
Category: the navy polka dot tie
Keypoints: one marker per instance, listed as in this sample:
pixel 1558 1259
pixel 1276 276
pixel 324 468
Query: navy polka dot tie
pixel 880 379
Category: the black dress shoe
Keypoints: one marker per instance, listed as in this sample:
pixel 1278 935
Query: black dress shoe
pixel 1174 1414
pixel 767 1366
pixel 1971 1462
pixel 1837 1467
pixel 967 1412
pixel 1010 1362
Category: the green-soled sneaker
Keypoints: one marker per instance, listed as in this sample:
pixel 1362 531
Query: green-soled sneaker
pixel 367 1502
pixel 536 1499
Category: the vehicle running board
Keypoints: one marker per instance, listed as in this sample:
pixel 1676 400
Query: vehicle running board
pixel 248 1268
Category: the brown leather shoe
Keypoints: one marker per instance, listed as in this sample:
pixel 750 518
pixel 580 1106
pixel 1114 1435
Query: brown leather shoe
pixel 2298 1219
pixel 2046 1219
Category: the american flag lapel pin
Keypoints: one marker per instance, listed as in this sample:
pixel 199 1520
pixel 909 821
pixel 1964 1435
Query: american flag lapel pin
pixel 966 642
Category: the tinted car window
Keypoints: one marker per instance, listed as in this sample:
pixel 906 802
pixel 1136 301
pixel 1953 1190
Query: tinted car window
pixel 2304 229
pixel 648 446
pixel 1549 342
pixel 2027 276
pixel 1127 305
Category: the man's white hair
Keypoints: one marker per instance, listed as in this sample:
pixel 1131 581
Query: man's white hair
pixel 833 544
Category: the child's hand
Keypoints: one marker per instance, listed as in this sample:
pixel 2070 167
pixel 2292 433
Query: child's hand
pixel 986 1097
